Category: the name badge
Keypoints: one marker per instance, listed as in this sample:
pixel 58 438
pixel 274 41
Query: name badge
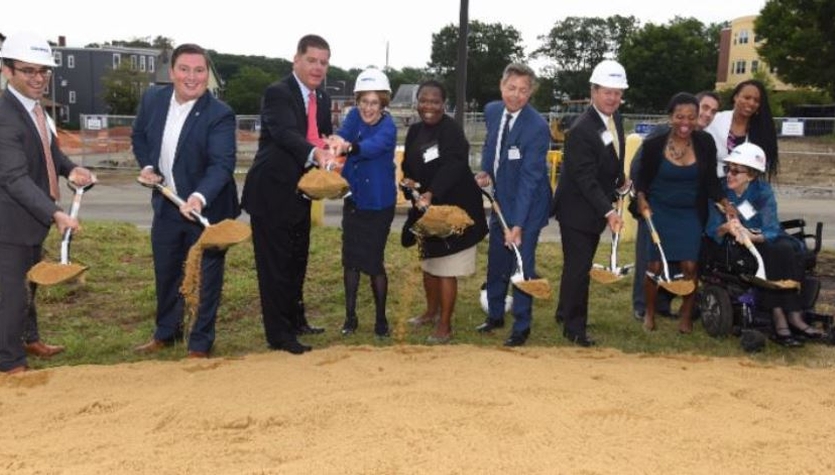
pixel 606 137
pixel 430 154
pixel 746 210
pixel 513 153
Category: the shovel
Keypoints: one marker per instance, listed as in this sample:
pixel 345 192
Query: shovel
pixel 439 220
pixel 538 288
pixel 51 273
pixel 218 236
pixel 760 278
pixel 613 273
pixel 676 286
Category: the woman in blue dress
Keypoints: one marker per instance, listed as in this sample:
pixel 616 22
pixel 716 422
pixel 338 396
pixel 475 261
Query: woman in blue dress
pixel 368 137
pixel 676 177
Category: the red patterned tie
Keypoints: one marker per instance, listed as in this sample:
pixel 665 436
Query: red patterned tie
pixel 47 152
pixel 312 127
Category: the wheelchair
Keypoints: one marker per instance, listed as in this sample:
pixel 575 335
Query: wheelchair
pixel 727 298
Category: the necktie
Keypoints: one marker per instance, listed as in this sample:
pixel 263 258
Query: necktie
pixel 312 127
pixel 47 152
pixel 502 143
pixel 610 124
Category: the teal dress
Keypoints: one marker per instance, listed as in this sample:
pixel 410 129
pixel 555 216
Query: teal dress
pixel 672 197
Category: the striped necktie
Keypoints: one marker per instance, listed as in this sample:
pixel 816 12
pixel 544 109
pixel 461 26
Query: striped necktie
pixel 47 152
pixel 502 142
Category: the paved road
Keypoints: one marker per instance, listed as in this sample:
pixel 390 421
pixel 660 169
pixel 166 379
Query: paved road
pixel 118 197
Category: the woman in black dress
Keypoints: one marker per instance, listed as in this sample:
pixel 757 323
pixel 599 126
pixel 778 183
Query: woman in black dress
pixel 436 163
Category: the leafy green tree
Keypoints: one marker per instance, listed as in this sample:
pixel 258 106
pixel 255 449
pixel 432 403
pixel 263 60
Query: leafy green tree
pixel 661 60
pixel 123 88
pixel 244 90
pixel 491 46
pixel 575 45
pixel 799 40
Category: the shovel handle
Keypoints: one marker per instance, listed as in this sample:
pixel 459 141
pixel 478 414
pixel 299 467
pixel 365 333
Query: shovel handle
pixel 76 205
pixel 168 193
pixel 495 205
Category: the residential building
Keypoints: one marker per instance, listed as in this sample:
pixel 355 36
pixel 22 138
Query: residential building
pixel 738 57
pixel 77 85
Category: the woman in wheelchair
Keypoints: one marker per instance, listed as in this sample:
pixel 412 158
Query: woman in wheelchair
pixel 757 221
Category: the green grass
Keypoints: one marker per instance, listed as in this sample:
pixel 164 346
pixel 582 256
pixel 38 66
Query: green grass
pixel 101 320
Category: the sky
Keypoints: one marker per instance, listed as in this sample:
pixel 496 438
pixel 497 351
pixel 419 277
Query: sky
pixel 361 33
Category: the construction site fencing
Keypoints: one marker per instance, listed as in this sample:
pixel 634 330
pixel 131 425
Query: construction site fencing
pixel 104 140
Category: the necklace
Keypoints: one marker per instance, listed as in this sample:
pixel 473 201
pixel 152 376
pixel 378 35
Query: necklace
pixel 676 153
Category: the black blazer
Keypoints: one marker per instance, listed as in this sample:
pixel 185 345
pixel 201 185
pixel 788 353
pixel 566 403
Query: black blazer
pixel 589 174
pixel 26 208
pixel 271 185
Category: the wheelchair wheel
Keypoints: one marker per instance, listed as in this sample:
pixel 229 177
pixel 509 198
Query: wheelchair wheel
pixel 716 310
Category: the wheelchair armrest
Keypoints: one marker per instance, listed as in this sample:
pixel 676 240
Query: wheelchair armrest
pixel 790 224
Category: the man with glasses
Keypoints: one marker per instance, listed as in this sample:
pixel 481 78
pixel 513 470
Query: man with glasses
pixel 29 169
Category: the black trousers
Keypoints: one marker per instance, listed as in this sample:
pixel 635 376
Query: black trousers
pixel 578 249
pixel 281 253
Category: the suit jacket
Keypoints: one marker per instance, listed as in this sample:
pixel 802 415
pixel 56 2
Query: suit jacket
pixel 26 208
pixel 590 173
pixel 522 187
pixel 205 158
pixel 283 150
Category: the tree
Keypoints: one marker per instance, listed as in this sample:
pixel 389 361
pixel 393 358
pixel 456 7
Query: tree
pixel 490 48
pixel 799 41
pixel 123 87
pixel 243 91
pixel 576 45
pixel 661 60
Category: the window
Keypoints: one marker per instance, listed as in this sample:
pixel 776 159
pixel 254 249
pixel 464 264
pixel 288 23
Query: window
pixel 739 67
pixel 117 60
pixel 57 55
pixel 151 64
pixel 755 66
pixel 133 62
pixel 71 61
pixel 142 63
pixel 72 97
pixel 743 37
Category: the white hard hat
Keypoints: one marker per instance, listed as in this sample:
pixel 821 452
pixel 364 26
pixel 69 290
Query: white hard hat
pixel 372 79
pixel 749 155
pixel 609 73
pixel 28 48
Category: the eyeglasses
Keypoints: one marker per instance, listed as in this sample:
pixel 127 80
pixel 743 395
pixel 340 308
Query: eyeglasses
pixel 30 73
pixel 369 104
pixel 734 171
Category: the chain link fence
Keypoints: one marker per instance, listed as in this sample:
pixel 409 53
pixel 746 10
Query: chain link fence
pixel 104 140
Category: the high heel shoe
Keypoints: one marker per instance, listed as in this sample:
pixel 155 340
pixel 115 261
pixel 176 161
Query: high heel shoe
pixel 350 326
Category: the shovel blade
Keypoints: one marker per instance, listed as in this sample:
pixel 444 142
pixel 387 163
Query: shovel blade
pixel 51 273
pixel 603 275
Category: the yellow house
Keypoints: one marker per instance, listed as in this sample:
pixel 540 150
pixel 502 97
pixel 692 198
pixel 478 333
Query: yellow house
pixel 738 57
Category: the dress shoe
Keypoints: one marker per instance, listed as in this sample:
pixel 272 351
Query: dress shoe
pixel 198 354
pixel 291 346
pixel 638 315
pixel 308 330
pixel 381 328
pixel 579 340
pixel 788 341
pixel 489 325
pixel 16 370
pixel 42 350
pixel 517 338
pixel 152 346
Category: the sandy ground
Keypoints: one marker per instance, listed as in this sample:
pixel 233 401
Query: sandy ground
pixel 421 410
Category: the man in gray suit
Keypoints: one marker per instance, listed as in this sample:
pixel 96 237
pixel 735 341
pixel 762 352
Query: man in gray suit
pixel 31 162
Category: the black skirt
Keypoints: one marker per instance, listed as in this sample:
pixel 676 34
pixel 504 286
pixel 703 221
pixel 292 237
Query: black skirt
pixel 364 236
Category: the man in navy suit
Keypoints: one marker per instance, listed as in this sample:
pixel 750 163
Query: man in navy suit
pixel 592 169
pixel 30 162
pixel 516 166
pixel 290 144
pixel 185 137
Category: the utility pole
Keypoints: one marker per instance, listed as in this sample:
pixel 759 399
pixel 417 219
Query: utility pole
pixel 461 73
